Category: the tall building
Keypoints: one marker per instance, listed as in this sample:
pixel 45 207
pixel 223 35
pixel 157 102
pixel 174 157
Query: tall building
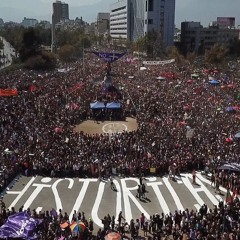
pixel 120 20
pixel 133 19
pixel 60 11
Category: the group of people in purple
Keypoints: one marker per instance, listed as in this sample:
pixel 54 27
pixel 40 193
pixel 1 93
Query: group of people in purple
pixel 182 122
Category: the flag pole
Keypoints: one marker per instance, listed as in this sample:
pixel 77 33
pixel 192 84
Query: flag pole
pixel 83 58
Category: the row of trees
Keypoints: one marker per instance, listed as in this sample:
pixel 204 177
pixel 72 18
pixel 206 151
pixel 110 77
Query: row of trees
pixel 70 45
pixel 29 44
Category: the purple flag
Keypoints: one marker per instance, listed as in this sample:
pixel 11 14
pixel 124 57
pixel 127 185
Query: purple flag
pixel 20 225
pixel 109 57
pixel 53 213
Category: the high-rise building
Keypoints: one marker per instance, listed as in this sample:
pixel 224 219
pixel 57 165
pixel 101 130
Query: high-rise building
pixel 133 19
pixel 60 11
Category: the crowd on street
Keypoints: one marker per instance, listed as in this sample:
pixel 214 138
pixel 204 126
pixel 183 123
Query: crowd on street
pixel 184 124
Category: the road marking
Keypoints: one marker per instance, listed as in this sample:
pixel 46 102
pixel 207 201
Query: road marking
pixel 209 182
pixel 193 190
pixel 21 193
pixel 35 193
pixel 161 200
pixel 119 197
pixel 96 205
pixel 173 193
pixel 38 209
pixel 81 195
pixel 55 191
pixel 128 195
pixel 197 206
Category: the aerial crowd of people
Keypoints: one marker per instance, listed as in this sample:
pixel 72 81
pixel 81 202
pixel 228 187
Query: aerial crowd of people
pixel 183 125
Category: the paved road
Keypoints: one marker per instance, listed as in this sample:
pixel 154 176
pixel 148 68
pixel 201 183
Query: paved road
pixel 96 198
pixel 8 51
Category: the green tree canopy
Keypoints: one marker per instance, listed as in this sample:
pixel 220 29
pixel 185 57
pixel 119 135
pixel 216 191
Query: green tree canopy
pixel 66 52
pixel 216 55
pixel 30 44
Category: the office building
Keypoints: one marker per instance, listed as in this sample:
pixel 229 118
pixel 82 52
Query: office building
pixel 120 20
pixel 60 12
pixel 133 19
pixel 29 22
pixel 102 24
pixel 196 38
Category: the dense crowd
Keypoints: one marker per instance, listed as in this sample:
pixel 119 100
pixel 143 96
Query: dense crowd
pixel 182 125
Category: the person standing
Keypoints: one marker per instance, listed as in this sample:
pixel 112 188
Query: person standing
pixel 143 190
pixel 120 218
pixel 194 176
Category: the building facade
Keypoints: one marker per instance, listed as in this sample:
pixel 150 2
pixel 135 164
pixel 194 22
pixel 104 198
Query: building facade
pixel 133 19
pixel 196 38
pixel 60 12
pixel 102 24
pixel 120 20
pixel 29 22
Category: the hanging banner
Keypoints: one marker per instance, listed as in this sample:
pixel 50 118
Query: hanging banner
pixel 8 92
pixel 158 62
pixel 109 57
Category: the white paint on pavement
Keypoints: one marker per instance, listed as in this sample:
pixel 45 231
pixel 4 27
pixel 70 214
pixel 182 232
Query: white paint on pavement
pixel 173 193
pixel 35 193
pixel 38 210
pixel 119 197
pixel 81 195
pixel 96 205
pixel 162 202
pixel 55 191
pixel 199 176
pixel 128 195
pixel 21 193
pixel 194 191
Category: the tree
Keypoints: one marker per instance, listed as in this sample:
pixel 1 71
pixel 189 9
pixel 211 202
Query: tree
pixel 216 54
pixel 30 44
pixel 173 52
pixel 66 52
pixel 152 44
pixel 41 61
pixel 191 57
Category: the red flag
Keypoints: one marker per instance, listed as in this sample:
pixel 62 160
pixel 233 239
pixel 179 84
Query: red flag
pixel 32 88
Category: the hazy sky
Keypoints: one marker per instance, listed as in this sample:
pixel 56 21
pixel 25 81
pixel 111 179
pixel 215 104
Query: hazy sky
pixel 189 10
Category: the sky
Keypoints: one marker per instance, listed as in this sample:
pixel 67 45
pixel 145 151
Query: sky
pixel 204 11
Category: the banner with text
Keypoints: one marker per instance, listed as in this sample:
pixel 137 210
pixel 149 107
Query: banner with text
pixel 8 92
pixel 109 57
pixel 158 62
